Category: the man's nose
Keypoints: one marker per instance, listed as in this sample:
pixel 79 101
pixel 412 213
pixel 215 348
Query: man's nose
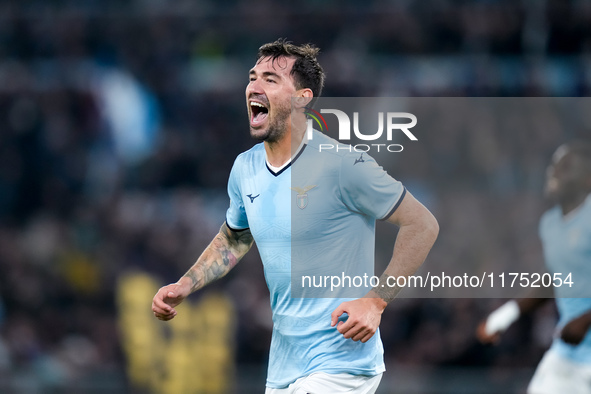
pixel 254 87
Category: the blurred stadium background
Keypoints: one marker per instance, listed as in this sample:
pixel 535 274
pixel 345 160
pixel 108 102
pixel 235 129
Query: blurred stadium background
pixel 120 120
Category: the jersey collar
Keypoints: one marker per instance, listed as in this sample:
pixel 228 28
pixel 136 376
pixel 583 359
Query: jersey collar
pixel 276 171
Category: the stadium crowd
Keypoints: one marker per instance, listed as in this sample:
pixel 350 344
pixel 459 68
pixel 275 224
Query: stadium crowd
pixel 77 211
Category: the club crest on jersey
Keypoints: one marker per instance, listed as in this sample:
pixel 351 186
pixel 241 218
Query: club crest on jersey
pixel 302 197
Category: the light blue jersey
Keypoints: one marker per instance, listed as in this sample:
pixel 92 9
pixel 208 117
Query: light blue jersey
pixel 567 249
pixel 319 211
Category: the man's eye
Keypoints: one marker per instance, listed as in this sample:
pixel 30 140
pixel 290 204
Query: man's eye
pixel 270 80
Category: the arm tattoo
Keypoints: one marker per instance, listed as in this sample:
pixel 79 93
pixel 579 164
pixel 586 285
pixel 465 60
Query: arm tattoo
pixel 195 280
pixel 238 238
pixel 384 291
pixel 222 254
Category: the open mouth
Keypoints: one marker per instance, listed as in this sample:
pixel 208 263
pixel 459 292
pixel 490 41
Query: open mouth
pixel 258 113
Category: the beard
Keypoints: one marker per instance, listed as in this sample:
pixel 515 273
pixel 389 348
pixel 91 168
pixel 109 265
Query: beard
pixel 276 128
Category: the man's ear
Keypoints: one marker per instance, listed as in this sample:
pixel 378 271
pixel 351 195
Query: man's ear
pixel 303 98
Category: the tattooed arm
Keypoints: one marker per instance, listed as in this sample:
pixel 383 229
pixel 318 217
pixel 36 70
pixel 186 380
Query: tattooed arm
pixel 418 231
pixel 222 254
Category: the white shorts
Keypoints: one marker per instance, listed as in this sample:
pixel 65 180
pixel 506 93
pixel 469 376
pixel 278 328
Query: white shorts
pixel 323 383
pixel 556 374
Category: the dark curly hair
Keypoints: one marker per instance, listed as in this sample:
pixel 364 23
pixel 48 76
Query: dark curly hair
pixel 306 71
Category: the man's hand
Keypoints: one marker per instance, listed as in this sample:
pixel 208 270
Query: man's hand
pixel 575 330
pixel 485 337
pixel 490 330
pixel 417 233
pixel 220 256
pixel 365 315
pixel 168 297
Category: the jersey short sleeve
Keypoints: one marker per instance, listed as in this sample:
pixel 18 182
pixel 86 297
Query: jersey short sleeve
pixel 236 215
pixel 367 188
